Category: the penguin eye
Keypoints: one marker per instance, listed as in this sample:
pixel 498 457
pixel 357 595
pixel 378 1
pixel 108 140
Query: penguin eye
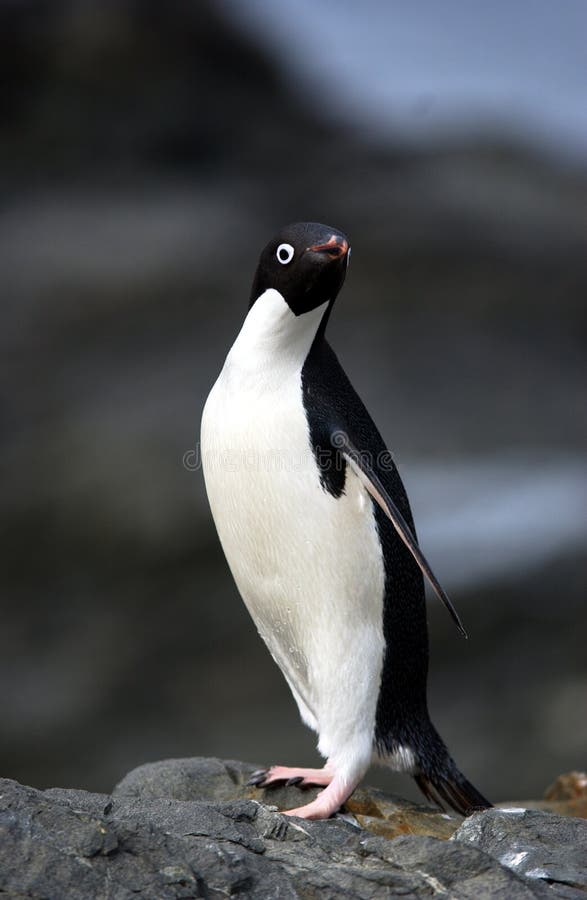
pixel 285 253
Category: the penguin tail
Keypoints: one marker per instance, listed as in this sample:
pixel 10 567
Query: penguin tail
pixel 440 779
pixel 416 747
pixel 451 788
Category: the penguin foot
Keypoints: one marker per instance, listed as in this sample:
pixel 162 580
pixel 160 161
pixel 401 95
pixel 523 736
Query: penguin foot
pixel 327 802
pixel 283 775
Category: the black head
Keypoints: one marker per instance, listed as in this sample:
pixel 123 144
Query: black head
pixel 306 263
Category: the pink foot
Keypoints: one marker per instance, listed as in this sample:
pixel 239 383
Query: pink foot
pixel 277 775
pixel 327 802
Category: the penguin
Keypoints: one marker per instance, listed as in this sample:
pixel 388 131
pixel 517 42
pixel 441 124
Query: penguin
pixel 318 533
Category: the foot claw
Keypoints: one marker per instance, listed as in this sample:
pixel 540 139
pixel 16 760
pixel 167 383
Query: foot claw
pixel 279 776
pixel 257 778
pixel 296 779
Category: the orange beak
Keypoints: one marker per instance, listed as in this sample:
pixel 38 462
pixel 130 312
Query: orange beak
pixel 334 247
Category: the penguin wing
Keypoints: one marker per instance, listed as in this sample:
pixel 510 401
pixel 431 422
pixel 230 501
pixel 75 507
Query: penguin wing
pixel 338 420
pixel 362 464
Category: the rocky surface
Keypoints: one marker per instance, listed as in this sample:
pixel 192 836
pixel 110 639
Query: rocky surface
pixel 192 828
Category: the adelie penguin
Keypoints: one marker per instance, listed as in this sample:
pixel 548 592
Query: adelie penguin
pixel 317 530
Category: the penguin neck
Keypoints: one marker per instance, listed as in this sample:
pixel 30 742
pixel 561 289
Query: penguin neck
pixel 273 338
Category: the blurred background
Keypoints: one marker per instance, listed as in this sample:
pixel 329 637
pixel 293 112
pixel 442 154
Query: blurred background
pixel 147 153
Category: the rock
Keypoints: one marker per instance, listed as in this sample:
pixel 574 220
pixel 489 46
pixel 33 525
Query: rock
pixel 568 795
pixel 215 779
pixel 187 779
pixel 392 817
pixel 532 843
pixel 202 778
pixel 189 828
pixel 452 873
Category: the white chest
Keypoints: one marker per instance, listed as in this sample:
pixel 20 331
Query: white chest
pixel 308 565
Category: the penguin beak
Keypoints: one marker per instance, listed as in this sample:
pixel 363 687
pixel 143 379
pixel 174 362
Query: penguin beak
pixel 335 247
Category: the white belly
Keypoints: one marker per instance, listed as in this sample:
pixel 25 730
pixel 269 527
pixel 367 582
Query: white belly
pixel 308 566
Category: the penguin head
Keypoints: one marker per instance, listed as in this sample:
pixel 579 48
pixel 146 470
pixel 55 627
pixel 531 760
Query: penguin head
pixel 306 263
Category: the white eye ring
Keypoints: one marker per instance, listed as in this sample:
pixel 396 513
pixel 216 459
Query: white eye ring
pixel 285 253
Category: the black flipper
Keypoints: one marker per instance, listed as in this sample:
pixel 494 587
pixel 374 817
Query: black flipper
pixel 365 467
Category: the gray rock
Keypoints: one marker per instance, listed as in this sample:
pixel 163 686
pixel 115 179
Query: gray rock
pixel 64 844
pixel 198 778
pixel 184 829
pixel 532 843
pixel 460 874
pixel 204 778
